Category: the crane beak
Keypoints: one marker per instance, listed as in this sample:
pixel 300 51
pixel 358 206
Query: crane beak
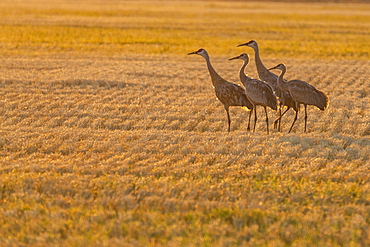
pixel 242 44
pixel 272 68
pixel 192 53
pixel 234 58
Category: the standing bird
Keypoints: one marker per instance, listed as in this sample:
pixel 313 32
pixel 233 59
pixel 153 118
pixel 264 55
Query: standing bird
pixel 258 92
pixel 270 78
pixel 302 93
pixel 228 93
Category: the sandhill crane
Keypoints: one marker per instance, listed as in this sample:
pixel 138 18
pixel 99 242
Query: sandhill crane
pixel 271 79
pixel 302 93
pixel 228 93
pixel 258 92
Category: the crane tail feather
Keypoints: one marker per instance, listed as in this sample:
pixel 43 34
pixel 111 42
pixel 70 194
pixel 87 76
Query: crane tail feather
pixel 323 100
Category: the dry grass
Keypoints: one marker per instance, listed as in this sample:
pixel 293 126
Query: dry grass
pixel 102 148
pixel 325 31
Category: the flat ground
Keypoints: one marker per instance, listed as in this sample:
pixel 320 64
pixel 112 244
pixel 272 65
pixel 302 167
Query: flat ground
pixel 110 135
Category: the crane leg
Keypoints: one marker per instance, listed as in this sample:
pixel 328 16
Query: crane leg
pixel 249 121
pixel 305 118
pixel 278 120
pixel 295 118
pixel 255 117
pixel 267 121
pixel 228 118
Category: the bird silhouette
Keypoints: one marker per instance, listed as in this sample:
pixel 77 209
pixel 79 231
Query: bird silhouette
pixel 257 91
pixel 228 93
pixel 302 93
pixel 270 78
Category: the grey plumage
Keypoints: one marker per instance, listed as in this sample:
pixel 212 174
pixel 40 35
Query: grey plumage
pixel 228 93
pixel 257 91
pixel 302 93
pixel 270 78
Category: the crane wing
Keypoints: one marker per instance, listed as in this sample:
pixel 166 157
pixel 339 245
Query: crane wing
pixel 232 95
pixel 261 93
pixel 307 94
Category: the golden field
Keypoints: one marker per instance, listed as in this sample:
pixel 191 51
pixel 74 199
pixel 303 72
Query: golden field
pixel 112 136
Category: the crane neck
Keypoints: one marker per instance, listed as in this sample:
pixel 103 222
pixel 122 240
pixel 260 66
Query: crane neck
pixel 282 84
pixel 243 77
pixel 261 68
pixel 216 78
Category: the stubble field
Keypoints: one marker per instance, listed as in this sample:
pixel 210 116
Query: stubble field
pixel 111 136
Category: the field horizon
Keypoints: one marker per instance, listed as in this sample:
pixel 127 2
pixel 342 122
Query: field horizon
pixel 111 135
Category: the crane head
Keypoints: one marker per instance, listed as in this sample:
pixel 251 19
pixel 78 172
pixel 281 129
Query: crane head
pixel 201 52
pixel 280 66
pixel 242 56
pixel 251 43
